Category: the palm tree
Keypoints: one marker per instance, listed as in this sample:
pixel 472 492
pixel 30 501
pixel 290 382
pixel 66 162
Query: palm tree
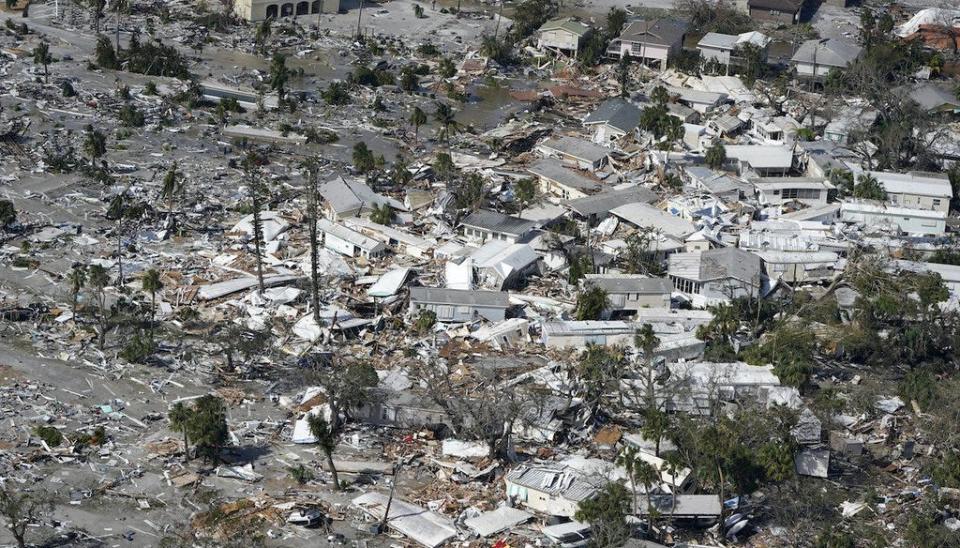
pixel 172 185
pixel 179 417
pixel 96 6
pixel 327 439
pixel 99 279
pixel 41 56
pixel 628 460
pixel 417 118
pixel 151 283
pixel 252 170
pixel 446 117
pixel 645 474
pixel 313 213
pixel 77 279
pixel 121 6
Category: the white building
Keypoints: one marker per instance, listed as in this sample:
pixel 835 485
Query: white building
pixel 721 47
pixel 258 10
pixel 877 215
pixel 816 58
pixel 563 36
pixel 656 40
pixel 347 242
pixel 781 190
pixel 916 189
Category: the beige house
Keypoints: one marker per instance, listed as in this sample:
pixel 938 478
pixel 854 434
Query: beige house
pixel 258 10
pixel 563 36
pixel 650 41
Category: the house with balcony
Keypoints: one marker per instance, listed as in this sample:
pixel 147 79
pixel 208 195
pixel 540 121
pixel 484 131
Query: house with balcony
pixel 650 41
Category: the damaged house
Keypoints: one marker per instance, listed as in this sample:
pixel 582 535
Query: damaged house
pixel 459 305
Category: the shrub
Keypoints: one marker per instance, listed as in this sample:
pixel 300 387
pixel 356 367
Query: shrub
pixel 50 435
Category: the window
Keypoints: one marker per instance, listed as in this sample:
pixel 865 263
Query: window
pixel 801 194
pixel 936 202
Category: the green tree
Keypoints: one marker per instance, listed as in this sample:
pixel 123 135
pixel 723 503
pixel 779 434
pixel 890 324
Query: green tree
pixel 591 303
pixel 606 513
pixel 417 118
pixel 869 188
pixel 96 9
pixel 8 213
pixel 363 159
pixel 409 81
pixel 152 283
pixel 99 280
pixel 716 155
pixel 660 95
pixel 172 185
pixel 623 74
pixel 42 57
pixel 179 416
pixel 20 508
pixel 616 18
pixel 279 75
pixel 382 214
pixel 257 191
pixel 640 255
pixel 262 34
pixel 327 440
pixel 77 279
pixel 94 143
pixel 446 117
pixel 208 427
pixel 446 68
pixel 525 191
pixel 598 372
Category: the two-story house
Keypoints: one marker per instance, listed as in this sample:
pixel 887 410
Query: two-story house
pixel 650 40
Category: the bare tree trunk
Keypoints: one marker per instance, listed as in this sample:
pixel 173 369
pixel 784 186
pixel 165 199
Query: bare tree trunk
pixel 312 214
pixel 333 472
pixel 120 249
pixel 257 236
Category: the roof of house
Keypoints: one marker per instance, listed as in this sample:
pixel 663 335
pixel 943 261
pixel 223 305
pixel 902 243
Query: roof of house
pixel 786 6
pixel 618 113
pixel 581 149
pixel 462 297
pixel 762 156
pixel 716 40
pixel 827 52
pixel 570 25
pixel 931 96
pixel 662 32
pixel 876 207
pixel 727 123
pixel 629 283
pixel 603 202
pixel 552 479
pixel 344 195
pixel 724 374
pixel 494 221
pixel 347 235
pixel 645 215
pixel 679 505
pixel 915 182
pixel 715 264
pixel 764 184
pixel 553 171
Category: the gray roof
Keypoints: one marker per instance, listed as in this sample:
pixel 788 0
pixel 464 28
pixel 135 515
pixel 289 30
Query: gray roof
pixel 786 6
pixel 727 123
pixel 550 169
pixel 716 40
pixel 605 201
pixel 581 149
pixel 464 297
pixel 498 222
pixel 553 480
pixel 716 264
pixel 630 284
pixel 344 195
pixel 616 112
pixel 570 25
pixel 645 215
pixel 934 97
pixel 680 506
pixel 662 32
pixel 827 52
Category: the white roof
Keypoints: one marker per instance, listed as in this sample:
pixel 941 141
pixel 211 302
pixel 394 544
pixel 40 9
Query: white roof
pixel 348 235
pixel 761 156
pixel 922 184
pixel 753 37
pixel 854 205
pixel 645 215
pixel 421 525
pixel 731 373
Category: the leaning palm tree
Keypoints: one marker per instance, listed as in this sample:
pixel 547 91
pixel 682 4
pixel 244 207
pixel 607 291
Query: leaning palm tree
pixel 172 185
pixel 179 417
pixel 151 283
pixel 628 460
pixel 446 117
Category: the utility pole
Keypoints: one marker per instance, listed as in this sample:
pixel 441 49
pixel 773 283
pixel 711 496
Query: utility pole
pixel 359 16
pixel 393 488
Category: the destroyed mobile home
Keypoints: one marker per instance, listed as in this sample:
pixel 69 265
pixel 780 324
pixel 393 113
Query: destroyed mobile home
pixel 410 273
